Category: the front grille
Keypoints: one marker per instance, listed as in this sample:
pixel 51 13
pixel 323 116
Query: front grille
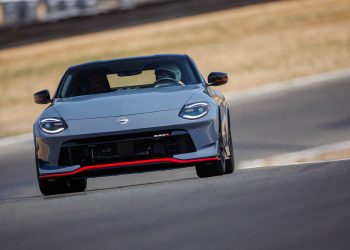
pixel 111 149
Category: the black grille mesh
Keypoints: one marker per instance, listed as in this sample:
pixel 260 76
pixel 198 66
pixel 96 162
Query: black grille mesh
pixel 111 149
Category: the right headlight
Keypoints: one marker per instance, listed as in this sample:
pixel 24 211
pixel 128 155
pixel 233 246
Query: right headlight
pixel 194 110
pixel 52 125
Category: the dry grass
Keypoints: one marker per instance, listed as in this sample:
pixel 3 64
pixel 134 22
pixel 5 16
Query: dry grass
pixel 256 45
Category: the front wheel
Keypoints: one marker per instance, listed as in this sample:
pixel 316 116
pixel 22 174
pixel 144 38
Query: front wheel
pixel 213 168
pixel 230 163
pixel 78 185
pixel 53 186
pixel 61 186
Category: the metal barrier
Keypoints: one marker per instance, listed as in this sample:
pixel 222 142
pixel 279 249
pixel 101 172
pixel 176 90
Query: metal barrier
pixel 17 12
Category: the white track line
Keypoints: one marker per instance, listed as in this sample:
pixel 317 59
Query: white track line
pixel 285 86
pixel 298 163
pixel 16 139
pixel 292 158
pixel 273 88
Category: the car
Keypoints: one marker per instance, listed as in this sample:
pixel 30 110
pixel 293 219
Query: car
pixel 131 115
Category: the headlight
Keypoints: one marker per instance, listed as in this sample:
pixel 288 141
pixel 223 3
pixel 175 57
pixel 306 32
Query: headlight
pixel 195 110
pixel 52 125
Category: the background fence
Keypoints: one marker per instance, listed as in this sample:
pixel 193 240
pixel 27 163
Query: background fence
pixel 17 12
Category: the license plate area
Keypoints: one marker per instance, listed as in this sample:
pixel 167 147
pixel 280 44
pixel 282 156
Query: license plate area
pixel 111 151
pixel 125 149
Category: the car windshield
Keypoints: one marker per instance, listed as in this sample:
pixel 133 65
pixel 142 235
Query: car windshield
pixel 127 74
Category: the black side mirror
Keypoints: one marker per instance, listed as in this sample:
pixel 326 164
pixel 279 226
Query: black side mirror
pixel 42 97
pixel 217 78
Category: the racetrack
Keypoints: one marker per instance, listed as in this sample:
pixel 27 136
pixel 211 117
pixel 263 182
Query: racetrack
pixel 294 207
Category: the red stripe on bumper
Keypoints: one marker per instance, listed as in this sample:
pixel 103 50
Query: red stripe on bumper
pixel 129 163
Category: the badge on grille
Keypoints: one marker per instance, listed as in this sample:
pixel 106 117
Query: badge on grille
pixel 123 120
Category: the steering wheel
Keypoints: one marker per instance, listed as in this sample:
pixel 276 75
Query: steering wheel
pixel 165 82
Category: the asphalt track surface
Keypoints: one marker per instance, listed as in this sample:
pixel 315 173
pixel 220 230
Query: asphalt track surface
pixel 295 207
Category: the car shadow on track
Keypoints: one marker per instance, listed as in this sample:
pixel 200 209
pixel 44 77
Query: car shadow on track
pixel 94 190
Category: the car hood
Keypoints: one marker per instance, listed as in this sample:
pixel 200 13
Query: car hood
pixel 126 102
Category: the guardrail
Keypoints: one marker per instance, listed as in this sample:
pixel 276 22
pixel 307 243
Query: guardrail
pixel 17 12
pixel 144 11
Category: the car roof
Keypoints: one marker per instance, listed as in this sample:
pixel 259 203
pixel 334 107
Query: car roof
pixel 128 58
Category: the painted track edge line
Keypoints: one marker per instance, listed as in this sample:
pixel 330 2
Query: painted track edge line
pixel 298 157
pixel 299 163
pixel 6 141
pixel 284 86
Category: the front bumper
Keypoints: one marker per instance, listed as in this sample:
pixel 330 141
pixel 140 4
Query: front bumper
pixel 204 133
pixel 123 167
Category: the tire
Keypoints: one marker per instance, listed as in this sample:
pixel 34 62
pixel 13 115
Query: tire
pixel 210 169
pixel 230 163
pixel 213 168
pixel 61 186
pixel 53 186
pixel 78 185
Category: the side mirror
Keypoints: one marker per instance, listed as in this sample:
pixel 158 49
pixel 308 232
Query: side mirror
pixel 217 78
pixel 42 97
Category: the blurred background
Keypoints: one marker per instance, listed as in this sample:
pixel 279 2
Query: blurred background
pixel 256 41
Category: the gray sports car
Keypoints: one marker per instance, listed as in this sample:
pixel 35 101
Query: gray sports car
pixel 131 115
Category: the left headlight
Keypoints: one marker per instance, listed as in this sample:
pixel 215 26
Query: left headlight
pixel 194 110
pixel 52 125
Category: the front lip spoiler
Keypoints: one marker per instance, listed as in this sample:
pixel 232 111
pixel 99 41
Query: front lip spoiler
pixel 130 163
